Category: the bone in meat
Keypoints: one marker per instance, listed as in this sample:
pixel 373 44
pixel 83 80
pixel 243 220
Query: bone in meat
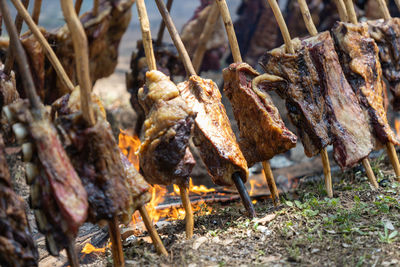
pixel 263 134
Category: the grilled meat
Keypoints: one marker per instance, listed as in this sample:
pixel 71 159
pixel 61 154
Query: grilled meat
pixel 57 196
pixel 213 134
pixel 165 157
pixel 386 34
pixel 359 58
pixel 114 188
pixel 16 244
pixel 8 89
pixel 262 132
pixel 319 99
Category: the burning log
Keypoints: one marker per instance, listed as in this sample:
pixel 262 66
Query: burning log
pixel 212 134
pixel 16 244
pixel 57 194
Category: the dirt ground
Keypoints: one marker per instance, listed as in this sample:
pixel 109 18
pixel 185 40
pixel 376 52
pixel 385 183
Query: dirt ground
pixel 358 227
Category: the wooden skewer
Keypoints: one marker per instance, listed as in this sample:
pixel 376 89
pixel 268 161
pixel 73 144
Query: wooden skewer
pixel 116 245
pixel 282 26
pixel 80 44
pixel 307 18
pixel 206 34
pixel 72 255
pixel 10 57
pixel 188 209
pixel 151 63
pixel 351 13
pixel 23 65
pixel 342 10
pixel 152 231
pixel 224 10
pixel 95 7
pixel 36 11
pixel 384 9
pixel 162 26
pixel 190 71
pixel 78 5
pixel 397 3
pixel 42 40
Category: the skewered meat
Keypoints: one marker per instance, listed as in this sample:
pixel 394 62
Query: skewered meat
pixel 213 134
pixel 114 187
pixel 165 157
pixel 57 196
pixel 104 34
pixel 16 244
pixel 217 44
pixel 358 54
pixel 262 131
pixel 168 62
pixel 386 34
pixel 319 99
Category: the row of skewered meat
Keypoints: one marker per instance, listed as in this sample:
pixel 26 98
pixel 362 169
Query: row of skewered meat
pixel 332 85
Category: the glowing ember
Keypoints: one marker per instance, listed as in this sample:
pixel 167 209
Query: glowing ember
pixel 89 248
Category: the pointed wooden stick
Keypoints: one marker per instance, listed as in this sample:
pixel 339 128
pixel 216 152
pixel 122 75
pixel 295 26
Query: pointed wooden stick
pixel 370 173
pixel 384 9
pixel 116 244
pixel 78 5
pixel 162 26
pixel 72 255
pixel 351 13
pixel 230 31
pixel 36 11
pixel 188 210
pixel 42 40
pixel 190 71
pixel 394 160
pixel 152 231
pixel 151 63
pixel 95 10
pixel 307 18
pixel 81 49
pixel 397 3
pixel 206 34
pixel 10 57
pixel 342 10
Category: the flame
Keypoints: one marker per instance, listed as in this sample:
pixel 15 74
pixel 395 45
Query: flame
pixel 397 127
pixel 89 248
pixel 129 145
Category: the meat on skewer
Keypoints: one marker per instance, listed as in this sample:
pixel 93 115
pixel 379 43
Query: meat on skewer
pixel 8 89
pixel 320 102
pixel 358 55
pixel 17 247
pixel 263 134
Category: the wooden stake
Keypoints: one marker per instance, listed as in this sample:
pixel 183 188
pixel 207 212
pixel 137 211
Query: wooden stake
pixel 327 172
pixel 206 34
pixel 370 173
pixel 23 65
pixel 95 10
pixel 351 13
pixel 116 244
pixel 384 9
pixel 9 62
pixel 269 177
pixel 42 40
pixel 162 26
pixel 190 71
pixel 36 11
pixel 151 62
pixel 176 38
pixel 72 255
pixel 80 43
pixel 188 211
pixel 152 231
pixel 342 10
pixel 394 160
pixel 282 26
pixel 78 5
pixel 307 18
pixel 230 31
pixel 397 3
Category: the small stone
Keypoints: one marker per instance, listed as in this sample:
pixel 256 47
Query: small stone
pixel 314 250
pixel 345 245
pixel 198 242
